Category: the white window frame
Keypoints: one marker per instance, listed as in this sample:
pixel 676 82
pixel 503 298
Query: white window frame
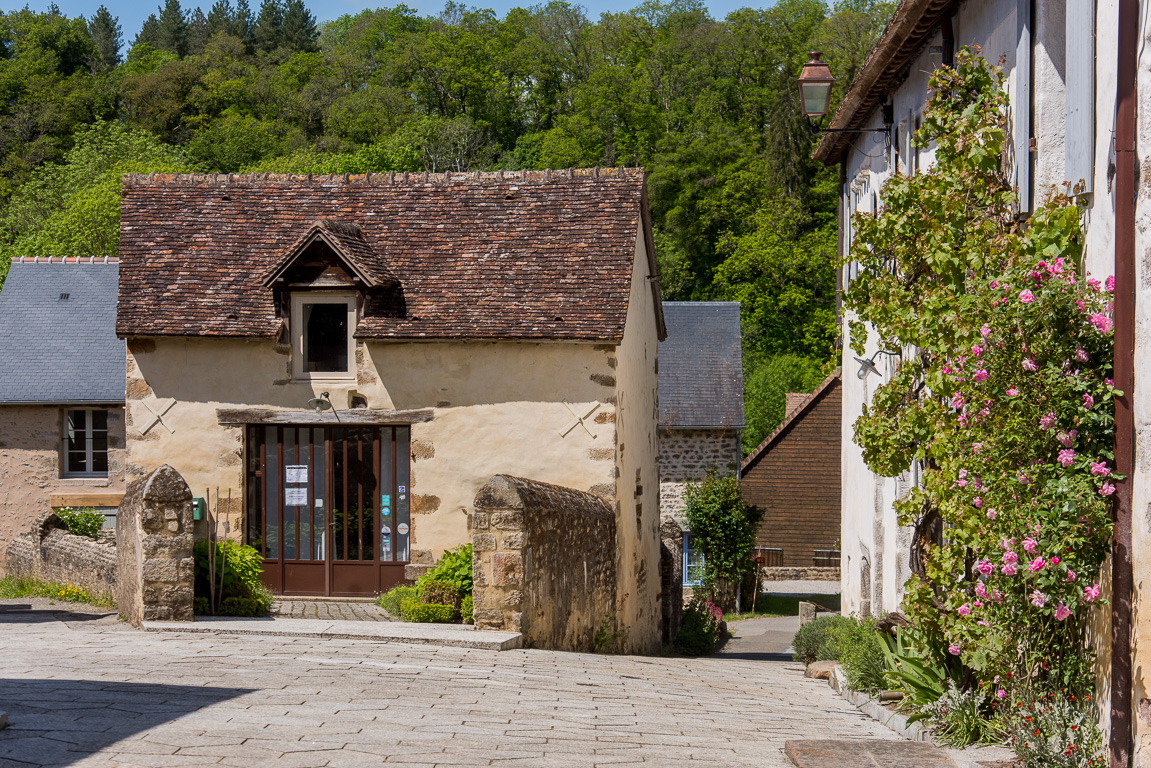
pixel 297 329
pixel 88 450
pixel 687 552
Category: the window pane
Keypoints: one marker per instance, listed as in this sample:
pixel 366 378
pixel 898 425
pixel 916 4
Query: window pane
pixel 77 461
pixel 326 338
pixel 100 421
pixel 100 452
pixel 75 442
pixel 403 535
pixel 319 522
pixel 291 495
pixel 387 492
pixel 272 492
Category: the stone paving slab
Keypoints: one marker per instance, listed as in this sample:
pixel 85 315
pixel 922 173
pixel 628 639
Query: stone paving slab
pixel 334 610
pixel 851 753
pixel 448 635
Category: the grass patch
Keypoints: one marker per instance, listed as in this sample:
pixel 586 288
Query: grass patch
pixel 784 605
pixel 66 593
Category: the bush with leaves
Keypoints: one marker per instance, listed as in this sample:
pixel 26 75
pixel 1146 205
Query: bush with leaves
pixel 701 628
pixel 1004 397
pixel 454 567
pixel 415 611
pixel 392 601
pixel 1056 730
pixel 84 521
pixel 723 527
pixel 239 590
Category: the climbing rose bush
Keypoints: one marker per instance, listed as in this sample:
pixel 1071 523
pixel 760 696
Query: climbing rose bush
pixel 1003 396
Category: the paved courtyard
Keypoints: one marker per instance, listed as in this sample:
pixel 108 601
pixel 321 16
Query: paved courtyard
pixel 95 693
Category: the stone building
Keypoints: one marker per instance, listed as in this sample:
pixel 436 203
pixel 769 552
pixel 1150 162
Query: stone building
pixel 700 419
pixel 61 391
pixel 350 360
pixel 793 475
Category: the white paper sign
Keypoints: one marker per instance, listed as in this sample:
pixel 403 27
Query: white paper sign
pixel 296 473
pixel 295 497
pixel 402 528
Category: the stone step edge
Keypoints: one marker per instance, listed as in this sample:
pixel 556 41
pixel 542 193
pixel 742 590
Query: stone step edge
pixel 869 705
pixel 490 644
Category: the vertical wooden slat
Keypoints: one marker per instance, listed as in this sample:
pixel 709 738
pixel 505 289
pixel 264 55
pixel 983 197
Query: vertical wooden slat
pixel 311 492
pixel 359 494
pixel 1079 126
pixel 263 522
pixel 345 502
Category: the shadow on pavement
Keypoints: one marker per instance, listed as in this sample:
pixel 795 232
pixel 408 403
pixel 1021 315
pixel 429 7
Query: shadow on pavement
pixel 59 722
pixel 42 615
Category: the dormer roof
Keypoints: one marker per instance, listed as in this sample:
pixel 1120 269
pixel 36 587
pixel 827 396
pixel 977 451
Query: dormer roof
pixel 346 241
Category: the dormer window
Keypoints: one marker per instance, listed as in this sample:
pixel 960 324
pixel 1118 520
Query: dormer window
pixel 322 326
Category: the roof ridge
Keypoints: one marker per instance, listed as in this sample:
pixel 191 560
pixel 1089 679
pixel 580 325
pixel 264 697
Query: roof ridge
pixel 388 178
pixel 789 418
pixel 67 260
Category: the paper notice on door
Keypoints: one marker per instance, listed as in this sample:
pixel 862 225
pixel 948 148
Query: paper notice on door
pixel 296 473
pixel 296 497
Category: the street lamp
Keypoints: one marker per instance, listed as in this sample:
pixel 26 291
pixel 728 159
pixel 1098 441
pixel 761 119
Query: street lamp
pixel 815 83
pixel 867 366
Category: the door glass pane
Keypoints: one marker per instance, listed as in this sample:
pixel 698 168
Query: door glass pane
pixel 319 527
pixel 339 501
pixel 355 466
pixel 292 492
pixel 368 494
pixel 387 493
pixel 326 338
pixel 272 492
pixel 304 489
pixel 403 535
pixel 253 517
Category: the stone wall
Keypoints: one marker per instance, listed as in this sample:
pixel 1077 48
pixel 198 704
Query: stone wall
pixel 50 553
pixel 799 574
pixel 685 455
pixel 544 562
pixel 31 441
pixel 154 549
pixel 671 576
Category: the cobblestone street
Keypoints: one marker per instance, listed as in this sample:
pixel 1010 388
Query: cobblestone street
pixel 335 610
pixel 97 693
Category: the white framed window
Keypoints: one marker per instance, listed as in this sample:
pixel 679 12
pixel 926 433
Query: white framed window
pixel 692 563
pixel 322 328
pixel 85 442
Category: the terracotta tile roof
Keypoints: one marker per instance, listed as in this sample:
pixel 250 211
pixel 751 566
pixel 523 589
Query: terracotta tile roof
pixel 523 255
pixel 348 241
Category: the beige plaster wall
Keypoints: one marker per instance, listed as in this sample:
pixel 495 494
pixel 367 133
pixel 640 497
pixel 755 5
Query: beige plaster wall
pixel 31 440
pixel 498 409
pixel 637 455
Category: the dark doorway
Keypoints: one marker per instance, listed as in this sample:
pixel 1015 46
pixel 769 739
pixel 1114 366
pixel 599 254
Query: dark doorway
pixel 328 507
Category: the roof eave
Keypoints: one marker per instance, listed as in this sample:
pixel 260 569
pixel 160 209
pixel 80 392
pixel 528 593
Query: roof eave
pixel 801 409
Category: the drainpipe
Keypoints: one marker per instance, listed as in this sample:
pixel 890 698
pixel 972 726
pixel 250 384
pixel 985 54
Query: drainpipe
pixel 1121 572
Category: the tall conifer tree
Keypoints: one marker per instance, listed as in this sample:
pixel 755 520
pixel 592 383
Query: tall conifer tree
pixel 267 32
pixel 299 31
pixel 105 31
pixel 172 31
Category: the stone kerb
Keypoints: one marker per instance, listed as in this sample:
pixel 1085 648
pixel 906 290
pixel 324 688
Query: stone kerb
pixel 543 562
pixel 50 553
pixel 154 549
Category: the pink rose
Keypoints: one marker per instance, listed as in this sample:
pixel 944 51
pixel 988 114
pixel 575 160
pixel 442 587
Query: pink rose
pixel 1010 558
pixel 979 376
pixel 964 610
pixel 991 514
pixel 1067 439
pixel 1062 612
pixel 1047 422
pixel 985 568
pixel 976 447
pixel 1029 364
pixel 1091 594
pixel 1012 391
pixel 976 350
pixel 1067 457
pixel 1001 694
pixel 1106 489
pixel 1081 355
pixel 1029 545
pixel 953 649
pixel 1008 569
pixel 985 331
pixel 1100 468
pixel 1071 575
pixel 1038 599
pixel 1088 401
pixel 1093 284
pixel 1101 322
pixel 1110 283
pixel 1036 565
pixel 981 589
pixel 977 502
pixel 1055 561
pixel 1026 297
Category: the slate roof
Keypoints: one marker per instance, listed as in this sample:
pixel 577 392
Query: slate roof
pixel 700 365
pixel 57 350
pixel 524 255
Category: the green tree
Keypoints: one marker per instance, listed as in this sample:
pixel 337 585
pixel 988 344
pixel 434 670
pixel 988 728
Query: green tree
pixel 172 28
pixel 767 379
pixel 106 36
pixel 267 30
pixel 149 33
pixel 723 526
pixel 298 30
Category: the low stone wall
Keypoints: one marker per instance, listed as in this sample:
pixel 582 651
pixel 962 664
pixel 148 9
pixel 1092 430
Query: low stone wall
pixel 543 562
pixel 50 553
pixel 154 549
pixel 799 574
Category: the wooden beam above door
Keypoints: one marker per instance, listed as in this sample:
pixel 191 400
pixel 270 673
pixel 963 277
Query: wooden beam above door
pixel 354 416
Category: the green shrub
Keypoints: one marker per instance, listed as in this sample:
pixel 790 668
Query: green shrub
pixel 860 651
pixel 467 608
pixel 1068 732
pixel 436 592
pixel 201 606
pixel 815 640
pixel 916 665
pixel 960 718
pixel 84 521
pixel 416 611
pixel 455 567
pixel 238 586
pixel 392 600
pixel 700 630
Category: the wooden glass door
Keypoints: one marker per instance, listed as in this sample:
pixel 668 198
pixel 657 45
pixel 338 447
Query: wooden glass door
pixel 328 507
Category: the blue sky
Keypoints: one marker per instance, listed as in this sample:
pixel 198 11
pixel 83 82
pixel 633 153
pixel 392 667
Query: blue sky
pixel 133 13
